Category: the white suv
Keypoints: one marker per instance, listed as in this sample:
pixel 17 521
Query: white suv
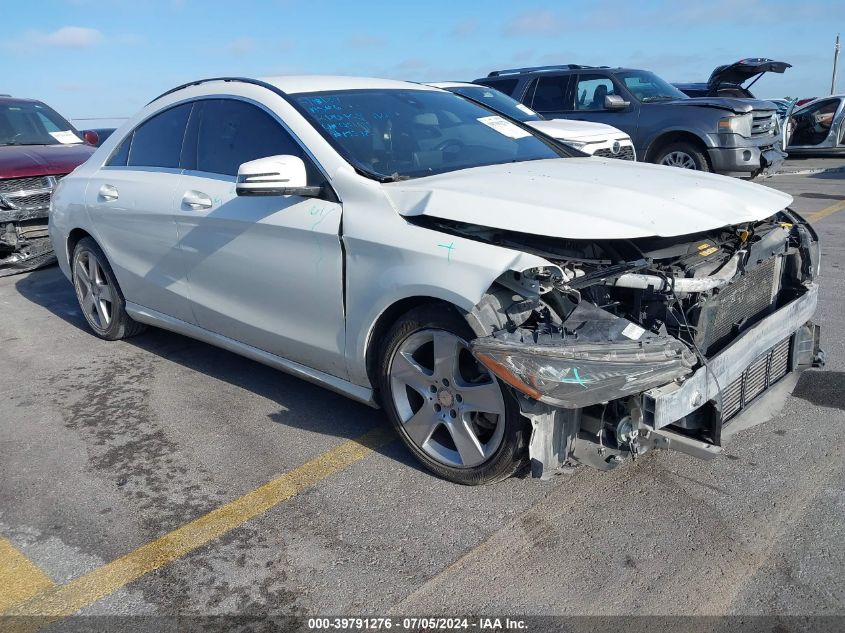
pixel 595 139
pixel 500 298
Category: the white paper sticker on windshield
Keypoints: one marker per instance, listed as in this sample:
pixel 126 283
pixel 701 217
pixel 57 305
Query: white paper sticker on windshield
pixel 503 127
pixel 633 331
pixel 525 108
pixel 67 137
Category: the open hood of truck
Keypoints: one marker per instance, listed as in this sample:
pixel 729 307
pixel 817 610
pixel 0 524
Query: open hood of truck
pixel 739 72
pixel 587 198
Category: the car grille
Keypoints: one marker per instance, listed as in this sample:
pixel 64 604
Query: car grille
pixel 764 123
pixel 743 300
pixel 31 193
pixel 625 152
pixel 759 376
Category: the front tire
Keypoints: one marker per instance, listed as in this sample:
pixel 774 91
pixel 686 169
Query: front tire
pixel 684 155
pixel 454 416
pixel 99 295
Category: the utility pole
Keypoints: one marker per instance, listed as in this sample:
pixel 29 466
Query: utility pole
pixel 835 61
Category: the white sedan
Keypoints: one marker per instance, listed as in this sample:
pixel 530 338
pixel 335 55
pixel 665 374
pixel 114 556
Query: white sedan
pixel 499 297
pixel 595 139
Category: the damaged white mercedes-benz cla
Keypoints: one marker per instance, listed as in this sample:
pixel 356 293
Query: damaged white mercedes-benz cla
pixel 502 297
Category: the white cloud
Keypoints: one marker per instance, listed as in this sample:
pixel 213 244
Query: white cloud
pixel 241 46
pixel 541 22
pixel 78 37
pixel 363 41
pixel 465 27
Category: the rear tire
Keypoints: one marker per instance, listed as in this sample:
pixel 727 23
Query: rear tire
pixel 682 154
pixel 99 295
pixel 456 418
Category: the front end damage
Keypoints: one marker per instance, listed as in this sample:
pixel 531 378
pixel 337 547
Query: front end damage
pixel 24 210
pixel 627 345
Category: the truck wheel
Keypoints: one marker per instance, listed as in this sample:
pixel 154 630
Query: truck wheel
pixel 99 296
pixel 684 155
pixel 454 416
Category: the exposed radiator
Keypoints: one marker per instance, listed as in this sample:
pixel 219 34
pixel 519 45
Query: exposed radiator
pixel 740 302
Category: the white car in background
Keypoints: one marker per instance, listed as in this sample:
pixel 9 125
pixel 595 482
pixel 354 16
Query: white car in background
pixel 499 296
pixel 596 139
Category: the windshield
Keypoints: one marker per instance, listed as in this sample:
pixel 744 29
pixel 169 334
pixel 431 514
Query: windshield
pixel 26 123
pixel 497 101
pixel 648 87
pixel 393 134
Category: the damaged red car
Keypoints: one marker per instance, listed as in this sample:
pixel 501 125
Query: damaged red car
pixel 37 148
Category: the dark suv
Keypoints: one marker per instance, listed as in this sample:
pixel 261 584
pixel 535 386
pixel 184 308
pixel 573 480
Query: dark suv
pixel 37 147
pixel 738 137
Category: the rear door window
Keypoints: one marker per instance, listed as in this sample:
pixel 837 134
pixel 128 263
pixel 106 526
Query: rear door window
pixel 231 132
pixel 550 95
pixel 158 141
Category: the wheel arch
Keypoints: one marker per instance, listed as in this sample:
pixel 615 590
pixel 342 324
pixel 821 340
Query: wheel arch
pixel 74 238
pixel 385 320
pixel 675 136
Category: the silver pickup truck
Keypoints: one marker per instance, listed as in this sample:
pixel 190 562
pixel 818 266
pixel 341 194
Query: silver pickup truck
pixel 738 137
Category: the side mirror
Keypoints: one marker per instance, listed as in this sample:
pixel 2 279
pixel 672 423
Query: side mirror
pixel 274 176
pixel 91 137
pixel 615 102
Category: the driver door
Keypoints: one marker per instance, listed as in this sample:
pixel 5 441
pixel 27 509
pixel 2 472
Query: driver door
pixel 590 90
pixel 266 271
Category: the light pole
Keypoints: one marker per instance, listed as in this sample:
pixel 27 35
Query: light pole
pixel 835 60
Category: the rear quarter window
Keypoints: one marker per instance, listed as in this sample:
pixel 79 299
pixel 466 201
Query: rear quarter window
pixel 158 141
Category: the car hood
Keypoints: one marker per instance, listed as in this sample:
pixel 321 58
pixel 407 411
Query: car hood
pixel 565 129
pixel 21 161
pixel 740 106
pixel 587 198
pixel 743 70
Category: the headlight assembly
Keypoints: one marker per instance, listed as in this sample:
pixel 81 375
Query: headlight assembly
pixel 567 370
pixel 738 124
pixel 576 144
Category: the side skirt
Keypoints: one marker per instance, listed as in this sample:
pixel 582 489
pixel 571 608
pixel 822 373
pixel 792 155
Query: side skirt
pixel 338 385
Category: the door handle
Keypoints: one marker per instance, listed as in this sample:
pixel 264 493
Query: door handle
pixel 196 200
pixel 108 192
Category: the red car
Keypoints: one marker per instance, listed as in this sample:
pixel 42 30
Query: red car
pixel 37 147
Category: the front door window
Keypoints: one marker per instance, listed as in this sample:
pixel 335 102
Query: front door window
pixel 591 91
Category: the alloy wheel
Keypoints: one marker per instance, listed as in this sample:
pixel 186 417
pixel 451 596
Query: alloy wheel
pixel 679 159
pixel 95 293
pixel 449 405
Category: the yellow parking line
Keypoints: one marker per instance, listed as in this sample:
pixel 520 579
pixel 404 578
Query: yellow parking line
pixel 834 208
pixel 64 600
pixel 20 579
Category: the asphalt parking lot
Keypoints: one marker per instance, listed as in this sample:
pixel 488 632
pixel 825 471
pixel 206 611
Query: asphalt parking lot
pixel 160 476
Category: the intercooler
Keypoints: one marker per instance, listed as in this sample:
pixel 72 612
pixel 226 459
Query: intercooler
pixel 738 305
pixel 759 376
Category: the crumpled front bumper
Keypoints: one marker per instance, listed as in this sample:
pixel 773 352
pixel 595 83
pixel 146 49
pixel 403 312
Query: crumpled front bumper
pixel 746 160
pixel 670 403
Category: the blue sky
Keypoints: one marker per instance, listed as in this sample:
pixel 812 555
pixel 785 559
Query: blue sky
pixel 98 58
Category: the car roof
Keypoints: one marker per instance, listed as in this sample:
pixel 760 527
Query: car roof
pixel 8 100
pixel 320 83
pixel 294 84
pixel 452 84
pixel 567 69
